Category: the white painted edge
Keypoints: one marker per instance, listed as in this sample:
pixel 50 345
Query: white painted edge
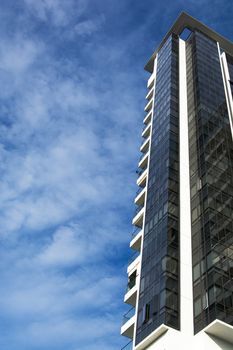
pixel 186 283
pixel 152 337
pixel 227 87
pixel 221 330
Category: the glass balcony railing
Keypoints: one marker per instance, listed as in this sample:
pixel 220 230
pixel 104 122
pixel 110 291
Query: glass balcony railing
pixel 136 231
pixel 127 316
pixel 137 209
pixel 145 140
pixel 149 105
pixel 145 128
pixel 128 346
pixel 140 190
pixel 142 155
pixel 147 118
pixel 139 172
pixel 133 257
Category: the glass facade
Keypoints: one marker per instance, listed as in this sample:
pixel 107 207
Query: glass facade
pixel 211 182
pixel 159 284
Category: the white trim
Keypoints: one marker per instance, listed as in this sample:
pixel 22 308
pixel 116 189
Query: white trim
pixel 186 288
pixel 221 330
pixel 226 84
pixel 157 333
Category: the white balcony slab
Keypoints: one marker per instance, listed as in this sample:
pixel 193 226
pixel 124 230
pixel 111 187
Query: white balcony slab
pixel 138 218
pixel 152 337
pixel 146 131
pixel 136 241
pixel 128 328
pixel 221 330
pixel 131 296
pixel 148 117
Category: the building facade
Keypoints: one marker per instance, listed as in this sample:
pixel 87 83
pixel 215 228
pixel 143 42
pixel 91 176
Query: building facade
pixel 180 283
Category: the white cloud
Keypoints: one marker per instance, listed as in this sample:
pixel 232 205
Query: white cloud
pixel 57 12
pixel 53 308
pixel 89 26
pixel 66 166
pixel 18 55
pixel 67 248
pixel 67 149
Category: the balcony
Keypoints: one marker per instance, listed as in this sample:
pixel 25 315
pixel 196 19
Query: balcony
pixel 140 198
pixel 136 231
pixel 150 94
pixel 157 333
pixel 128 323
pixel 132 258
pixel 138 218
pixel 128 346
pixel 131 290
pixel 146 131
pixel 136 240
pixel 145 145
pixel 138 209
pixel 147 118
pixel 148 106
pixel 134 261
pixel 141 181
pixel 143 161
pixel 151 81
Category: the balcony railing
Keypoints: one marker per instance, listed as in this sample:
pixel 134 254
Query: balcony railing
pixel 128 346
pixel 142 155
pixel 149 105
pixel 145 128
pixel 145 140
pixel 127 316
pixel 133 257
pixel 143 162
pixel 139 172
pixel 137 209
pixel 136 231
pixel 147 118
pixel 140 189
pixel 150 94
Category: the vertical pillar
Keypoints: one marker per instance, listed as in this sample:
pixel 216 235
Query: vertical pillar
pixel 186 289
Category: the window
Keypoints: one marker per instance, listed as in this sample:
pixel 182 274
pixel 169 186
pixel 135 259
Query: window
pixel 146 313
pixel 197 307
pixel 196 272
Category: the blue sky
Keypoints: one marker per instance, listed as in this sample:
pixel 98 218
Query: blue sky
pixel 71 109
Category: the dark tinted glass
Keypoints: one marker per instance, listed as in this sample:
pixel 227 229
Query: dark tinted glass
pixel 159 287
pixel 211 177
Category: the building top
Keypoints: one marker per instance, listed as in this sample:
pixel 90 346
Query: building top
pixel 186 21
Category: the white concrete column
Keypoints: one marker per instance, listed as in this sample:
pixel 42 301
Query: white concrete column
pixel 227 86
pixel 186 288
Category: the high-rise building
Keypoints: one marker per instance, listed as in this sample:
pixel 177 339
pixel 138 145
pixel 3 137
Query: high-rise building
pixel 180 283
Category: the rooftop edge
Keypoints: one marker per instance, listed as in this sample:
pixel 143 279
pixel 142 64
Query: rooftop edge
pixel 186 21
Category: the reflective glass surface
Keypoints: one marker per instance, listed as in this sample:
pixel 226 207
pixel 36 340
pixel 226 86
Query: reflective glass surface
pixel 211 177
pixel 159 285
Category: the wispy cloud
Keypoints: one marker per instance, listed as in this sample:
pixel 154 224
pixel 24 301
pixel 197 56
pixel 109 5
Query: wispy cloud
pixel 88 27
pixel 71 102
pixel 64 211
pixel 56 12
